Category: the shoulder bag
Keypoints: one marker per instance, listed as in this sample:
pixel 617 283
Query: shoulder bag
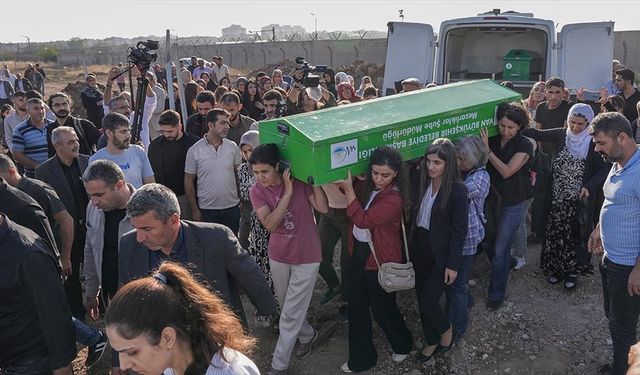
pixel 392 276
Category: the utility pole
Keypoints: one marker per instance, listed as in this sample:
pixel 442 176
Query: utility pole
pixel 315 18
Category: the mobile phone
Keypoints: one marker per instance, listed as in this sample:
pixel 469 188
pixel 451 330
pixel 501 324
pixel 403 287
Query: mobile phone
pixel 283 165
pixel 591 96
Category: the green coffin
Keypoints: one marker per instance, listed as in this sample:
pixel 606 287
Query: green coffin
pixel 322 146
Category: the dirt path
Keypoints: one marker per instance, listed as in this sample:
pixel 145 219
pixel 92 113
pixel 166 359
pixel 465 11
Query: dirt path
pixel 541 329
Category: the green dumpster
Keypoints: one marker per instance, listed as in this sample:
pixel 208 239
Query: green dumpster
pixel 519 64
pixel 322 146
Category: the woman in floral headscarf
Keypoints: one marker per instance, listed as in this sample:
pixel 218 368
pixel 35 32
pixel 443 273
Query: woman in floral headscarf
pixel 578 173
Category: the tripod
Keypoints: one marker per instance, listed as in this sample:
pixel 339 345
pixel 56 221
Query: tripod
pixel 140 97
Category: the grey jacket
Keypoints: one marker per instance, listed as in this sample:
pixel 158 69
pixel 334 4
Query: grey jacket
pixel 215 256
pixel 94 245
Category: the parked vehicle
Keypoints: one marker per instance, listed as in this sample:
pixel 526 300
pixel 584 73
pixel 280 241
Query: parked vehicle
pixel 503 46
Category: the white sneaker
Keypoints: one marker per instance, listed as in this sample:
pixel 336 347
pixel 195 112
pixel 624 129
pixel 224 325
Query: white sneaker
pixel 520 263
pixel 398 357
pixel 345 368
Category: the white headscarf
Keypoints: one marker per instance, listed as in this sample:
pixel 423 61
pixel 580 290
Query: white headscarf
pixel 578 144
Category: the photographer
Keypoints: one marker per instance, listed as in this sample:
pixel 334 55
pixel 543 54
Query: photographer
pixel 124 106
pixel 299 99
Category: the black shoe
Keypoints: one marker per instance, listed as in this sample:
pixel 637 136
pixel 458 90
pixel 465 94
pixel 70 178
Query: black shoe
pixel 513 263
pixel 494 305
pixel 570 282
pixel 96 351
pixel 443 349
pixel 343 317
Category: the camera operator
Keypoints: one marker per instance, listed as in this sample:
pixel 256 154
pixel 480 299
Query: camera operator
pixel 124 106
pixel 299 99
pixel 273 106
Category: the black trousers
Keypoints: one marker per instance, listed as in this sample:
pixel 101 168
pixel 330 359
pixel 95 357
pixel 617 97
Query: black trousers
pixel 72 286
pixel 366 297
pixel 622 311
pixel 429 288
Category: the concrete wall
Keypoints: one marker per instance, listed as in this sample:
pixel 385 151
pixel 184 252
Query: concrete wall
pixel 627 49
pixel 252 55
pixel 327 52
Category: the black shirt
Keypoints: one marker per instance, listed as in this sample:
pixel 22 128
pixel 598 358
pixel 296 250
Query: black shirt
pixel 630 111
pixel 44 194
pixel 167 159
pixel 24 210
pixel 86 131
pixel 197 125
pixel 80 198
pixel 112 221
pixel 552 118
pixel 35 321
pixel 516 188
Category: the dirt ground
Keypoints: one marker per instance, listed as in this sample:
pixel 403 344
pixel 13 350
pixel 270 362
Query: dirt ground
pixel 541 329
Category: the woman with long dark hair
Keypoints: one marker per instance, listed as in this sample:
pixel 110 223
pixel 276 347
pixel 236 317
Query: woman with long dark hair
pixel 509 154
pixel 439 233
pixel 191 90
pixel 193 332
pixel 375 209
pixel 251 101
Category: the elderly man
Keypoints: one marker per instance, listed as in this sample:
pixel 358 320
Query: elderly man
pixel 212 250
pixel 63 173
pixel 616 235
pixel 411 84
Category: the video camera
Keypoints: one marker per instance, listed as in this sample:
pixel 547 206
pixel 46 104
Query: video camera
pixel 310 80
pixel 142 55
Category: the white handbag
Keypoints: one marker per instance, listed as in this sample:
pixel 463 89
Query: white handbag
pixel 394 276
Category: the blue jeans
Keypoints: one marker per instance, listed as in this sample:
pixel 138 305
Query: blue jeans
pixel 621 310
pixel 227 216
pixel 510 219
pixel 85 335
pixel 459 298
pixel 520 244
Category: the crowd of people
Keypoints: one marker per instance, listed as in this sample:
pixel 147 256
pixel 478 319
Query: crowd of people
pixel 199 211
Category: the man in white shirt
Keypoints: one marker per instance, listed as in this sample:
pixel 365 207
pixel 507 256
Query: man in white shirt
pixel 219 68
pixel 201 68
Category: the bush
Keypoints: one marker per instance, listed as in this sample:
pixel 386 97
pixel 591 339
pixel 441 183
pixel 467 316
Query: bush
pixel 48 53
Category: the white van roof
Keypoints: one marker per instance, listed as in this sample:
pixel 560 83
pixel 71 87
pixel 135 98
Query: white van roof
pixel 497 17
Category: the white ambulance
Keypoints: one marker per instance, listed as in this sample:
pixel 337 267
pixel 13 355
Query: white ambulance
pixel 509 46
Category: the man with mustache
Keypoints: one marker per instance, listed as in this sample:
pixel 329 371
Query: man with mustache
pixel 86 131
pixel 63 173
pixel 130 158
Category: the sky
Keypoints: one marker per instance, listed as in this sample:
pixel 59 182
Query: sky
pixel 52 20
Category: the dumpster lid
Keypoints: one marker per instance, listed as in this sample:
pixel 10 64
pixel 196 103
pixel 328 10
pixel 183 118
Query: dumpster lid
pixel 520 54
pixel 382 112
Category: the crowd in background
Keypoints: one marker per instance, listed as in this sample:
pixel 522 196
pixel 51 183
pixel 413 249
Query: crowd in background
pixel 198 199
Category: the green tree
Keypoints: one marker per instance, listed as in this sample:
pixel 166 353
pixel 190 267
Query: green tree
pixel 48 53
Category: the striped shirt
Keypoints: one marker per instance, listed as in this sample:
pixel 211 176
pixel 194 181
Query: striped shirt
pixel 620 215
pixel 32 142
pixel 477 183
pixel 236 364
